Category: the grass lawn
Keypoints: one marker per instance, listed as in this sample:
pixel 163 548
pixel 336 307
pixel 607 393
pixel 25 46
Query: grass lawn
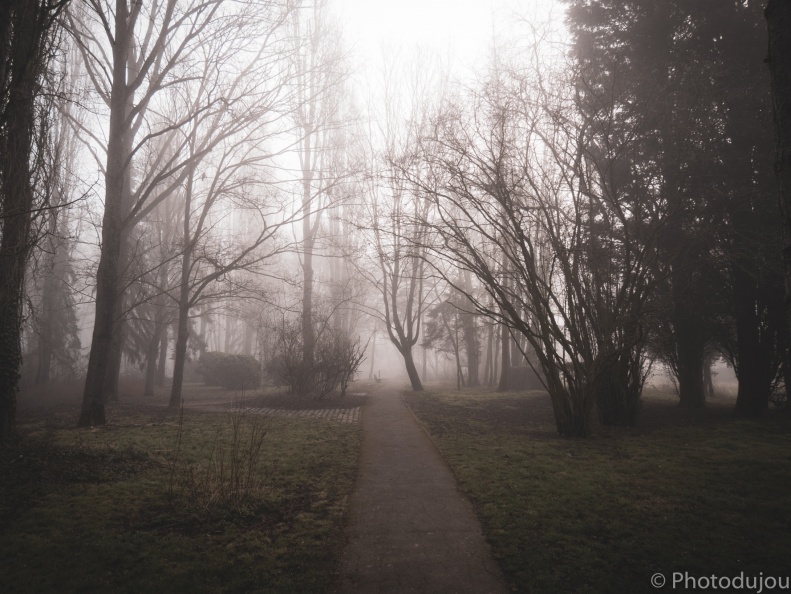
pixel 151 504
pixel 702 493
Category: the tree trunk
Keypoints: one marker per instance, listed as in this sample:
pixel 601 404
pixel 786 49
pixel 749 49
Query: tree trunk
pixel 454 333
pixel 247 343
pixel 23 34
pixel 755 340
pixel 690 368
pixel 373 355
pixel 46 329
pixel 108 272
pixel 182 334
pixel 151 365
pixel 472 348
pixel 495 355
pixel 182 331
pixel 112 376
pixel 488 370
pixel 688 335
pixel 203 342
pixel 163 358
pixel 230 330
pixel 778 20
pixel 411 370
pixel 708 381
pixel 308 333
pixel 152 353
pixel 505 348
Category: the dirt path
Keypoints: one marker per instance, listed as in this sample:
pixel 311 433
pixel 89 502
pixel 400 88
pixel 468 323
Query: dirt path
pixel 410 529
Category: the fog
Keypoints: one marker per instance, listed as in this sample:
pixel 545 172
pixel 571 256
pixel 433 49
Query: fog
pixel 519 195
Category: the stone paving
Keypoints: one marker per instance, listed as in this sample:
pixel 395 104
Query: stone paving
pixel 341 415
pixel 338 414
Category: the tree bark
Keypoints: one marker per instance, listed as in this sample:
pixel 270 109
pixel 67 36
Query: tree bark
pixel 182 334
pixel 471 344
pixel 755 346
pixel 472 349
pixel 182 329
pixel 411 370
pixel 247 343
pixel 708 380
pixel 505 348
pixel 151 365
pixel 689 339
pixel 308 332
pixel 153 351
pixel 488 369
pixel 778 21
pixel 46 332
pixel 46 328
pixel 25 28
pixel 108 272
pixel 163 358
pixel 373 355
pixel 113 373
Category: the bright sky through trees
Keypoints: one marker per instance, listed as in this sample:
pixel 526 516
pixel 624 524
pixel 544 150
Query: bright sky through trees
pixel 460 31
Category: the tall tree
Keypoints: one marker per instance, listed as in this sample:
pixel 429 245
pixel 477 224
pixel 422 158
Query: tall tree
pixel 28 29
pixel 55 315
pixel 397 208
pixel 520 182
pixel 669 68
pixel 317 81
pixel 131 52
pixel 237 113
pixel 778 20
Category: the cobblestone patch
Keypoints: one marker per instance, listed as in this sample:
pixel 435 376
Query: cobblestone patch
pixel 341 415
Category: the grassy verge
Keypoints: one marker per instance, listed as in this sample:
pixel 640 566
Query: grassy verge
pixel 704 494
pixel 116 510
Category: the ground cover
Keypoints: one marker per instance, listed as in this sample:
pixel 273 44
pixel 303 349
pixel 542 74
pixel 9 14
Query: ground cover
pixel 173 503
pixel 696 492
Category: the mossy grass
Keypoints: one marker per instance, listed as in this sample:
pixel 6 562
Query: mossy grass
pixel 91 510
pixel 686 491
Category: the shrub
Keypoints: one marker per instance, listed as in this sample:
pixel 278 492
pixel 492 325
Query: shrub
pixel 235 372
pixel 337 359
pixel 230 476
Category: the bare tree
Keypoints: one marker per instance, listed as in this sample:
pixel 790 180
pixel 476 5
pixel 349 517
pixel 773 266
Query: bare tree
pixel 137 57
pixel 318 78
pixel 131 53
pixel 226 172
pixel 55 351
pixel 397 206
pixel 520 179
pixel 27 31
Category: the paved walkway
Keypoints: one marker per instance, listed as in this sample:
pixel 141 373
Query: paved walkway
pixel 410 530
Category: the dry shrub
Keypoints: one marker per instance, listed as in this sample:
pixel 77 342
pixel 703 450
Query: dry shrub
pixel 229 475
pixel 337 359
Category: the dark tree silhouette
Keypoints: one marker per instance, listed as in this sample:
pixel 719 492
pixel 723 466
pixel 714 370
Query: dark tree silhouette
pixel 778 20
pixel 27 31
pixel 703 151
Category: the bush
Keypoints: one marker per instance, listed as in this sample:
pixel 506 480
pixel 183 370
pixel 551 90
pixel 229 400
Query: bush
pixel 337 359
pixel 235 372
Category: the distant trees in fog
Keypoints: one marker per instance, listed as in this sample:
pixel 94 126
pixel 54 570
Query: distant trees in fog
pixel 568 217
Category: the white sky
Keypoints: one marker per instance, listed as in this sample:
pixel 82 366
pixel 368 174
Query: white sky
pixel 460 31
